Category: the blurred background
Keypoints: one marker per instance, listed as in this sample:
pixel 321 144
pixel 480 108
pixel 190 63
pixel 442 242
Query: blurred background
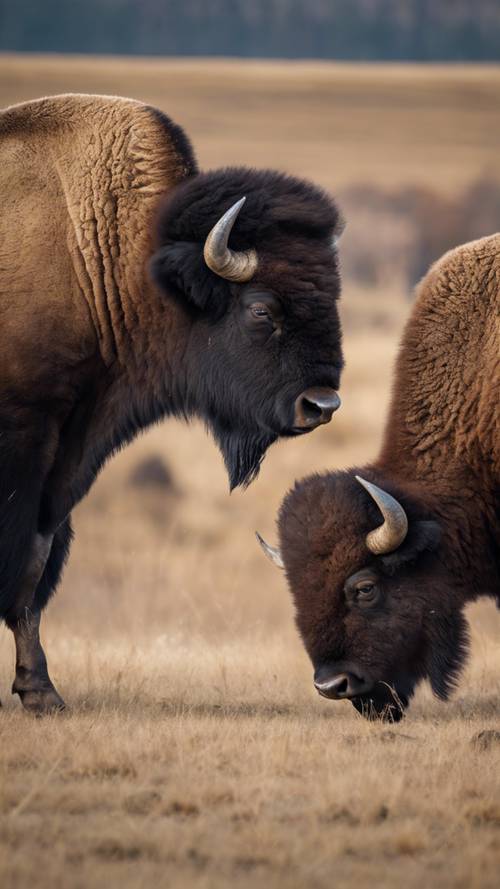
pixel 359 30
pixel 383 103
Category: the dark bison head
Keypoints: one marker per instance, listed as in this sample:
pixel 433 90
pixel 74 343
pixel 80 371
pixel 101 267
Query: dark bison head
pixel 375 603
pixel 258 281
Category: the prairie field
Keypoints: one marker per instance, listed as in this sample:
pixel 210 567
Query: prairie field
pixel 194 751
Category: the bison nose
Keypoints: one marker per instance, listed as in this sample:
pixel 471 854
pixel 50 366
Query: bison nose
pixel 314 407
pixel 343 685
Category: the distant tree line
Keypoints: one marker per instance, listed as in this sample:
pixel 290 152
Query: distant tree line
pixel 361 30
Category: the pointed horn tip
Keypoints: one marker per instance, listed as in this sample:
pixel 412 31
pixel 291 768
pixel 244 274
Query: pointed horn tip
pixel 363 481
pixel 235 208
pixel 372 489
pixel 272 552
pixel 260 540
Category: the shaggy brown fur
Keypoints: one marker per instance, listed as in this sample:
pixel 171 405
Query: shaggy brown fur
pixel 98 194
pixel 441 459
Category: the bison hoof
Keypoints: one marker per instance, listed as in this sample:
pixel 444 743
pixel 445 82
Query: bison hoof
pixel 41 701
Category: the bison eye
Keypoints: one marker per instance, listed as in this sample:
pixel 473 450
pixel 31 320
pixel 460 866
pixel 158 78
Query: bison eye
pixel 263 311
pixel 363 589
pixel 366 592
pixel 259 311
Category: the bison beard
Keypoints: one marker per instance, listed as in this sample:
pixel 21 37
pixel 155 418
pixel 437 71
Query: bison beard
pixel 242 451
pixel 447 647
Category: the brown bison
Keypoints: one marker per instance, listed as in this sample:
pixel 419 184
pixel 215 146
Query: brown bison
pixel 133 287
pixel 380 605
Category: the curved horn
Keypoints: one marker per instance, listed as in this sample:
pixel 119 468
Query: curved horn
pixel 388 536
pixel 272 552
pixel 230 264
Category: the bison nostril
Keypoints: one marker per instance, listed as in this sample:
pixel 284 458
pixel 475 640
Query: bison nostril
pixel 341 685
pixel 311 410
pixel 333 686
pixel 315 406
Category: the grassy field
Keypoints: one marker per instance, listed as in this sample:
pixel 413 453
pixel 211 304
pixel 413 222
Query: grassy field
pixel 196 753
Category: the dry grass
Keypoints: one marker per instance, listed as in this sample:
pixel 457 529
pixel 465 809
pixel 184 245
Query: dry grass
pixel 196 753
pixel 186 763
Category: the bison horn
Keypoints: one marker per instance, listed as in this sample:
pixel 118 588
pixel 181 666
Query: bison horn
pixel 272 552
pixel 230 264
pixel 388 536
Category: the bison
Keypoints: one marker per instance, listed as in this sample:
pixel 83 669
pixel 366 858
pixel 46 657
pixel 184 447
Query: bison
pixel 134 287
pixel 379 605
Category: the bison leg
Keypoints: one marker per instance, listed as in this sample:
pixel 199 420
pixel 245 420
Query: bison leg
pixel 32 682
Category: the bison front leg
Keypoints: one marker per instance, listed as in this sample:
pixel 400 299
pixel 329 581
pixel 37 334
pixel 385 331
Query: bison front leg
pixel 32 682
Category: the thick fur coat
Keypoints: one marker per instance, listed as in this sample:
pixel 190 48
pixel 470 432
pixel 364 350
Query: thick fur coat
pixel 441 460
pixel 110 318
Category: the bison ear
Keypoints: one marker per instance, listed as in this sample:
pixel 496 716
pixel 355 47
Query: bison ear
pixel 422 536
pixel 180 271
